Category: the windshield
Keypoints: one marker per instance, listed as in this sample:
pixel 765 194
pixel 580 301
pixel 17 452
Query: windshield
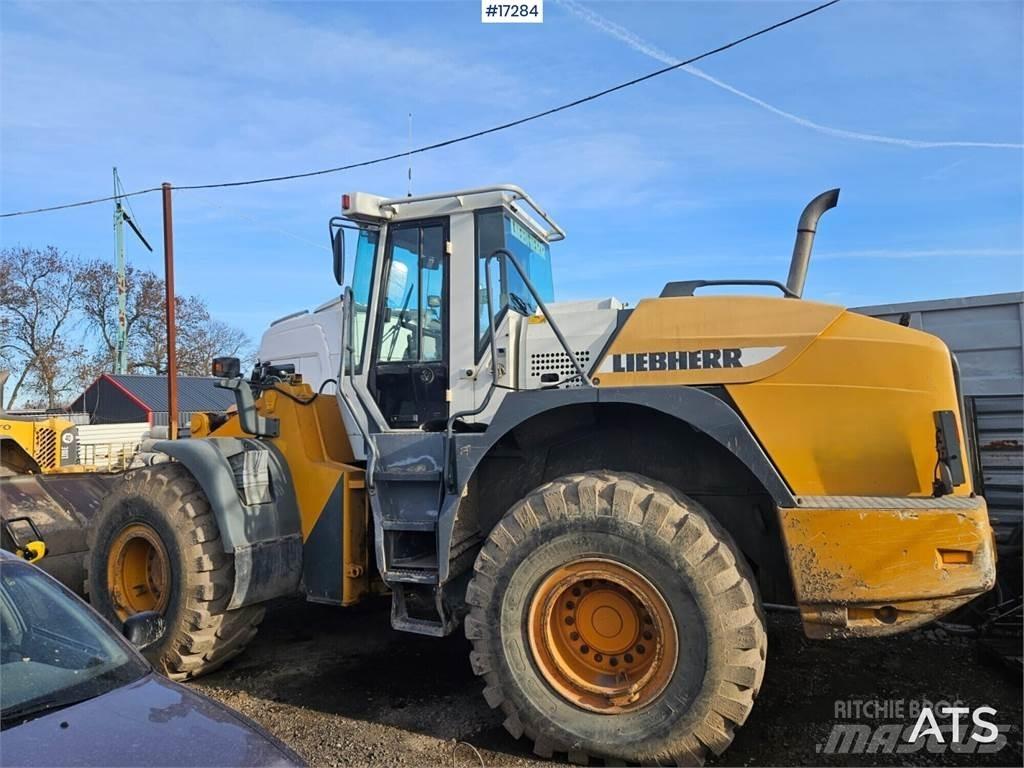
pixel 54 651
pixel 362 276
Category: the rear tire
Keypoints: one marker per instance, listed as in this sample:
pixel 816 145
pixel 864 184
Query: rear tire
pixel 642 535
pixel 155 545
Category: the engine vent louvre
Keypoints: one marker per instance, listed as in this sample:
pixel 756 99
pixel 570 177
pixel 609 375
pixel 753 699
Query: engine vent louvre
pixel 46 448
pixel 560 363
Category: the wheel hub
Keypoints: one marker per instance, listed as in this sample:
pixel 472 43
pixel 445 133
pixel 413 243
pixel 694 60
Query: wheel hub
pixel 602 636
pixel 138 571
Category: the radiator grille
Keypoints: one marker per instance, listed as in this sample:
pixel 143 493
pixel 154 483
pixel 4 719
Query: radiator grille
pixel 46 448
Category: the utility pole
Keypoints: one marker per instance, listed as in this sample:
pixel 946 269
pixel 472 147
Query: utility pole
pixel 172 335
pixel 120 217
pixel 121 355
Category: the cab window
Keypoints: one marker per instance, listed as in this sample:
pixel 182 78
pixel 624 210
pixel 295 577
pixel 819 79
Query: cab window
pixel 413 314
pixel 498 229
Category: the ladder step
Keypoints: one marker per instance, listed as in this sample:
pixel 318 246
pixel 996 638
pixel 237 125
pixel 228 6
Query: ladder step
pixel 405 476
pixel 423 526
pixel 411 575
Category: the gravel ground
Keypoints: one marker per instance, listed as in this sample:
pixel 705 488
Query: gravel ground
pixel 341 688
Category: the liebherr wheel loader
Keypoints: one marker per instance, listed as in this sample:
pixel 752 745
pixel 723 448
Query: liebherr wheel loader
pixel 601 496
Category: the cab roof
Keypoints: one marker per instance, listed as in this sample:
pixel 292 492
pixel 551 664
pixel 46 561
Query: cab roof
pixel 362 206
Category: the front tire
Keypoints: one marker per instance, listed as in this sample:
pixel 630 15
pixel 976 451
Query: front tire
pixel 155 545
pixel 611 616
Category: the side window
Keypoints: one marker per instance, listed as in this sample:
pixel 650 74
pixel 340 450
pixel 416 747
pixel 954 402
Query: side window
pixel 412 316
pixel 489 237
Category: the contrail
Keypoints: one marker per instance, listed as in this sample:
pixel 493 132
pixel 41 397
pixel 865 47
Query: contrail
pixel 639 44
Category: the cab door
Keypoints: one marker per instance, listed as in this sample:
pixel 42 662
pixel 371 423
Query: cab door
pixel 409 374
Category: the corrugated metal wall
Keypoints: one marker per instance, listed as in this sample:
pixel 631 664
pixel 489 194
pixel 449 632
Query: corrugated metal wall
pixel 999 445
pixel 110 447
pixel 986 333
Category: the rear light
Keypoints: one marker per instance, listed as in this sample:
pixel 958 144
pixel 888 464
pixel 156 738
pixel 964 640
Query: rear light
pixel 346 202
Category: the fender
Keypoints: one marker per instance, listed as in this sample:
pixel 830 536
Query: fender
pixel 698 407
pixel 265 535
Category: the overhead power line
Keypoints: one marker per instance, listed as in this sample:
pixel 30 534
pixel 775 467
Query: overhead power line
pixel 458 139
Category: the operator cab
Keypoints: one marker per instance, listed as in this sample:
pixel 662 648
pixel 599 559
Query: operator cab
pixel 417 329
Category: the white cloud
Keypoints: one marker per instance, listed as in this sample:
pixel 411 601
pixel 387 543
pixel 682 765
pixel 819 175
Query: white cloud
pixel 927 253
pixel 639 44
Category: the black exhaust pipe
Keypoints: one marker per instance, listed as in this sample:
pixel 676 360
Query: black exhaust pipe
pixel 805 239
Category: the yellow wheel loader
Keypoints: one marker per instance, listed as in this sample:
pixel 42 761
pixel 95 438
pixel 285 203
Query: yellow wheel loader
pixel 601 496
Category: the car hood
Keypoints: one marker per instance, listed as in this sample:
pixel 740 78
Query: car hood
pixel 151 722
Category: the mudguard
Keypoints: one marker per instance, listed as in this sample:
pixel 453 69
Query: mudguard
pixel 250 491
pixel 701 409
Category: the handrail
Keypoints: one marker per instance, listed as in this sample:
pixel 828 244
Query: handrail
pixel 556 233
pixel 373 455
pixel 547 315
pixel 450 478
pixel 450 474
pixel 687 287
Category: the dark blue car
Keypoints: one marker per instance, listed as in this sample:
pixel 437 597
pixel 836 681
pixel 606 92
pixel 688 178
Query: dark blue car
pixel 73 692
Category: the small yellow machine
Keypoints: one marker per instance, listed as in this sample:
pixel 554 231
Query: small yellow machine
pixel 601 496
pixel 31 446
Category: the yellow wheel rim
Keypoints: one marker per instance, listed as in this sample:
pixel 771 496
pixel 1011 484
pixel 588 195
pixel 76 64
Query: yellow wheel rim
pixel 602 636
pixel 138 571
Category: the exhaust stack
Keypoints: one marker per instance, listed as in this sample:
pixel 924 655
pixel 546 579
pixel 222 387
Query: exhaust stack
pixel 805 239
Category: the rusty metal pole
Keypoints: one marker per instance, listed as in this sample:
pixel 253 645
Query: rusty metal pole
pixel 172 334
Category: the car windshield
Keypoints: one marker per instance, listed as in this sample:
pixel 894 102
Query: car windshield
pixel 54 651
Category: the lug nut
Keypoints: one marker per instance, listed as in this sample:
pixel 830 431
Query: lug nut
pixel 641 649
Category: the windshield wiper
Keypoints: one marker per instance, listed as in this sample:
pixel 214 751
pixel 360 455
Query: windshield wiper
pixel 20 714
pixel 518 303
pixel 55 702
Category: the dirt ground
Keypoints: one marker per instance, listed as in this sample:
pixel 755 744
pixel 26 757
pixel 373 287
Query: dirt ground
pixel 341 688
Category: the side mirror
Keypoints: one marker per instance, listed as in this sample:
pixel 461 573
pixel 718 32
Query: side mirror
pixel 144 629
pixel 226 367
pixel 338 249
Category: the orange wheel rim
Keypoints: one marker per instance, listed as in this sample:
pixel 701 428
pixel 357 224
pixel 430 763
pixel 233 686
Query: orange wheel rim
pixel 138 571
pixel 603 636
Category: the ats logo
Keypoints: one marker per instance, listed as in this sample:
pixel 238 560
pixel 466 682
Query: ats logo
pixel 688 360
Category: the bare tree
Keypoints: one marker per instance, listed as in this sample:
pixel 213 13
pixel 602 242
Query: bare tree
pixel 45 293
pixel 38 298
pixel 144 308
pixel 200 339
pixel 200 336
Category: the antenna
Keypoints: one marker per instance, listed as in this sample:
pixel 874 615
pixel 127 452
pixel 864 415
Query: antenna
pixel 408 155
pixel 121 215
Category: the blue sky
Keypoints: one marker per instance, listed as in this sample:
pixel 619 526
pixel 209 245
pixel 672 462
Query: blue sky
pixel 677 178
